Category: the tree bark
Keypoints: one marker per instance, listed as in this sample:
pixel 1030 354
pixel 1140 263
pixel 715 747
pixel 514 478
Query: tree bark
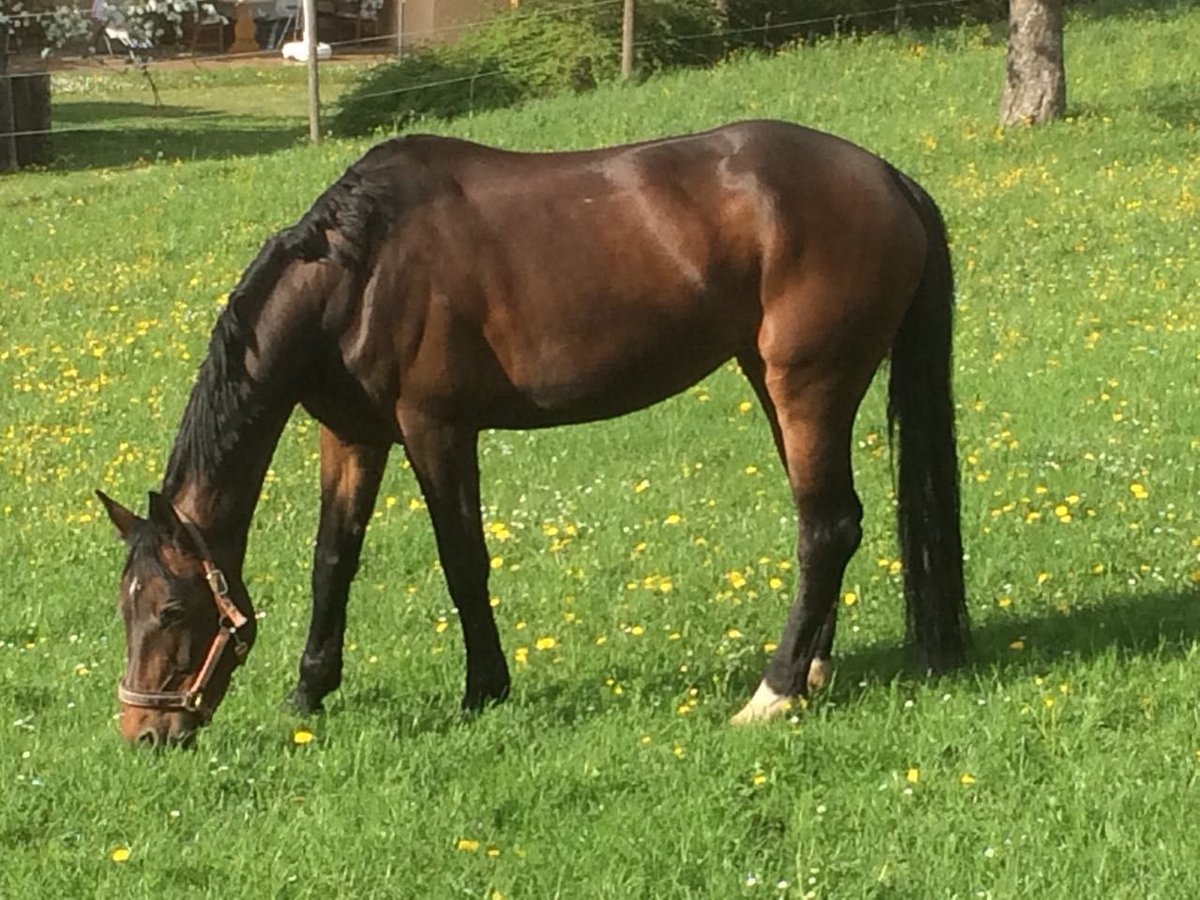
pixel 1035 87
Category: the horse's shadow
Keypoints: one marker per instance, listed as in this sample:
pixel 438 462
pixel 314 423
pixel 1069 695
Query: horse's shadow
pixel 1165 623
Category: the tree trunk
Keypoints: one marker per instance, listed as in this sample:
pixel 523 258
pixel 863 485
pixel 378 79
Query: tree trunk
pixel 1035 87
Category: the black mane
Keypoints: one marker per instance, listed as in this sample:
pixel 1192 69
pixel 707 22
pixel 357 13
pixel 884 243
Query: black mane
pixel 359 208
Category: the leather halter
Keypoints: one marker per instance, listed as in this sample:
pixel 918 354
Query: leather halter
pixel 190 697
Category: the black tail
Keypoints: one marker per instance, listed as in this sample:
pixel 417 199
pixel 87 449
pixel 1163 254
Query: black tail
pixel 921 402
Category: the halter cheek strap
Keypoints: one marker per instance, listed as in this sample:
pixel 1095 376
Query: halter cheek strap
pixel 190 698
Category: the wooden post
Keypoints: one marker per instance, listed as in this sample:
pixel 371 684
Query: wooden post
pixel 399 27
pixel 8 143
pixel 310 51
pixel 627 41
pixel 31 118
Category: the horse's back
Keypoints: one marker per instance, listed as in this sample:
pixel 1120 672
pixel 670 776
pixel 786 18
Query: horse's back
pixel 577 285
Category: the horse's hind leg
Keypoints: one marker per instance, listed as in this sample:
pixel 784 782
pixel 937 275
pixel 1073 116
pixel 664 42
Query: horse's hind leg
pixel 814 408
pixel 755 371
pixel 350 476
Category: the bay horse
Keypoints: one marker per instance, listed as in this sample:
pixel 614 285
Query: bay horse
pixel 440 287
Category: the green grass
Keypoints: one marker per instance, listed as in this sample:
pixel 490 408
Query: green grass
pixel 109 117
pixel 611 772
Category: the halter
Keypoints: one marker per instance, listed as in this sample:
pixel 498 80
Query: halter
pixel 190 698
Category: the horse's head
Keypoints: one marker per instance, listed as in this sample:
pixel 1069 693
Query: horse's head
pixel 187 626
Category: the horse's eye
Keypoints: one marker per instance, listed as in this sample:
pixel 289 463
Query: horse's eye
pixel 170 615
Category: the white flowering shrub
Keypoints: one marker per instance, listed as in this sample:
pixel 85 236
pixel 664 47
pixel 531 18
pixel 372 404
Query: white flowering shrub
pixel 145 21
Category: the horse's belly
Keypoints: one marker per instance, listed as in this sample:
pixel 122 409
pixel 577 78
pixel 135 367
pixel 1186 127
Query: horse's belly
pixel 602 378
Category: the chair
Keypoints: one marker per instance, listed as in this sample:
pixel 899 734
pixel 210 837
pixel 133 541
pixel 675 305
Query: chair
pixel 129 45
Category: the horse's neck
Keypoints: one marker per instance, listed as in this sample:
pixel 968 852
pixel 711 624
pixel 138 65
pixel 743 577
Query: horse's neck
pixel 222 502
pixel 239 405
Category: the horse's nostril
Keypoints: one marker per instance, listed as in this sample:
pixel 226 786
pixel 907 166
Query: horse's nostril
pixel 148 737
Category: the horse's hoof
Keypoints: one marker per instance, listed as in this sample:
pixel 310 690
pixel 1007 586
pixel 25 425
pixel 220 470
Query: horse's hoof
pixel 478 699
pixel 818 674
pixel 301 702
pixel 766 704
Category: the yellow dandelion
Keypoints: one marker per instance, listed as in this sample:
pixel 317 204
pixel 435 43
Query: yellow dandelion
pixel 545 643
pixel 497 562
pixel 521 655
pixel 1139 490
pixel 751 470
pixel 1004 602
pixel 1043 577
pixel 120 854
pixel 492 853
pixel 499 531
pixel 758 779
pixel 966 779
pixel 637 630
pixel 745 406
pixel 912 776
pixel 673 519
pixel 770 647
pixel 302 736
pixel 737 579
pixel 641 486
pixel 849 598
pixel 733 634
pixel 775 582
pixel 466 845
pixel 1018 644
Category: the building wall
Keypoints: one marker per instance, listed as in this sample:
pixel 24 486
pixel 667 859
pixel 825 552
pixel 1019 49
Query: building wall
pixel 435 21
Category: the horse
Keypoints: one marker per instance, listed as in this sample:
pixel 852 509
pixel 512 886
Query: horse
pixel 441 287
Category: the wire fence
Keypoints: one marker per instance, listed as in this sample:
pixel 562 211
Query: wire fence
pixel 149 65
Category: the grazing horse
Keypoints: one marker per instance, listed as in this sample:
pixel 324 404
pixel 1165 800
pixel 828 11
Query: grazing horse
pixel 441 287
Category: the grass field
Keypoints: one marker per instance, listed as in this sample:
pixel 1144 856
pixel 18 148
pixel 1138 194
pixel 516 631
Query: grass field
pixel 643 565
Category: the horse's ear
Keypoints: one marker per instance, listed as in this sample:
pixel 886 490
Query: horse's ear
pixel 123 519
pixel 166 520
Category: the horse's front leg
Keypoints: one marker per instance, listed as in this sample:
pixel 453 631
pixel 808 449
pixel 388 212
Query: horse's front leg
pixel 350 475
pixel 443 456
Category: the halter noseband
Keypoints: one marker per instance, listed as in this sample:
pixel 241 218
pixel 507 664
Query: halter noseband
pixel 190 698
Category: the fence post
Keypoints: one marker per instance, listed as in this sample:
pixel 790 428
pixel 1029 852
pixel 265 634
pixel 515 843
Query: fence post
pixel 627 41
pixel 8 141
pixel 399 28
pixel 310 50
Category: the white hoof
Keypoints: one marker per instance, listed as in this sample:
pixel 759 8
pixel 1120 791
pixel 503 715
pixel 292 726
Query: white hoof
pixel 764 705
